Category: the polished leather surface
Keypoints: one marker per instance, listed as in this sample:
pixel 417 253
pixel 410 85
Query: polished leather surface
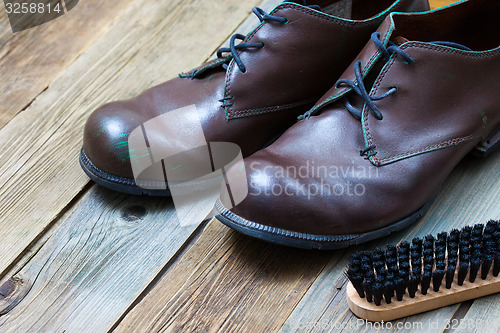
pixel 447 103
pixel 283 80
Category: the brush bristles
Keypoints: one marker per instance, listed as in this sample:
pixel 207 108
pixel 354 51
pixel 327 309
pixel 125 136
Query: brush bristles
pixel 452 251
pixel 398 271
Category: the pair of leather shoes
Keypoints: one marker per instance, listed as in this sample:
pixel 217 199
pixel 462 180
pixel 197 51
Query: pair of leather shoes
pixel 365 159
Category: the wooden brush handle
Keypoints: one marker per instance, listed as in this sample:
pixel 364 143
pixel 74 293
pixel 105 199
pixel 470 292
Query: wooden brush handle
pixel 421 303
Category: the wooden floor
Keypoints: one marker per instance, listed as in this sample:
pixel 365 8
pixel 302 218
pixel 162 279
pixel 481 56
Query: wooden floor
pixel 90 260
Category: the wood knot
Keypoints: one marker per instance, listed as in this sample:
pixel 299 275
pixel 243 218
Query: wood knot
pixel 134 214
pixel 12 292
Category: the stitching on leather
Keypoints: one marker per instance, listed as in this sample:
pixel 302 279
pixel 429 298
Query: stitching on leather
pixel 211 64
pixel 445 144
pixel 250 112
pixel 444 49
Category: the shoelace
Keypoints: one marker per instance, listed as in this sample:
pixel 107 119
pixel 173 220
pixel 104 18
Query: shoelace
pixel 263 17
pixel 359 86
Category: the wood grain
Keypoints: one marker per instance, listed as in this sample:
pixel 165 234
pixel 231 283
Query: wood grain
pixel 227 283
pixel 481 317
pixel 97 263
pixel 39 171
pixel 32 59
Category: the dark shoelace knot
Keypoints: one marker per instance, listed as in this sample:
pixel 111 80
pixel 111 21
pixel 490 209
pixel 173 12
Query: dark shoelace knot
pixel 263 17
pixel 233 48
pixel 358 86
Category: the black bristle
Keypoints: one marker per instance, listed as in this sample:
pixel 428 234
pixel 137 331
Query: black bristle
pixel 452 251
pixel 378 257
pixel 389 287
pixel 488 250
pixel 391 258
pixel 404 269
pixel 486 266
pixel 496 260
pixel 367 286
pixel 463 269
pixel 437 279
pixel 450 274
pixel 416 258
pixel 429 252
pixel 404 260
pixel 464 254
pixel 355 274
pixel 426 280
pixel 428 264
pixel 400 288
pixel 440 252
pixel 476 243
pixel 440 256
pixel 378 291
pixel 452 244
pixel 367 268
pixel 475 264
pixel 413 285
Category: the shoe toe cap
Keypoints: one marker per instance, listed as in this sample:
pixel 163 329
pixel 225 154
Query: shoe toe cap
pixel 106 137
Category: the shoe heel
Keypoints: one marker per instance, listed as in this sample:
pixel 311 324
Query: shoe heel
pixel 487 147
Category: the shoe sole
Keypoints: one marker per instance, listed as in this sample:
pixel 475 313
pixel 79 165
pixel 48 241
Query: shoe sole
pixel 129 186
pixel 117 183
pixel 310 241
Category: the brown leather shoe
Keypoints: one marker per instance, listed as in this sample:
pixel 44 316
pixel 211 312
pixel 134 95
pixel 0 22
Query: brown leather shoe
pixel 250 94
pixel 371 155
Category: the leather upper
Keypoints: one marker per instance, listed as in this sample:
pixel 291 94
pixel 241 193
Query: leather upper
pixel 316 179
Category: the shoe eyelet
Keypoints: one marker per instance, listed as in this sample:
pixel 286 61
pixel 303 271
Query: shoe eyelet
pixel 286 21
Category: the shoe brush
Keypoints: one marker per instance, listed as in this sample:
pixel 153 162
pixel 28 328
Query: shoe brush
pixel 425 274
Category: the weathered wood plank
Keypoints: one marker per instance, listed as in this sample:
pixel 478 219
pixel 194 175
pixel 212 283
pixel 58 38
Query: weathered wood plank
pixel 227 283
pixel 32 59
pixel 481 317
pixel 470 195
pixel 97 263
pixel 39 171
